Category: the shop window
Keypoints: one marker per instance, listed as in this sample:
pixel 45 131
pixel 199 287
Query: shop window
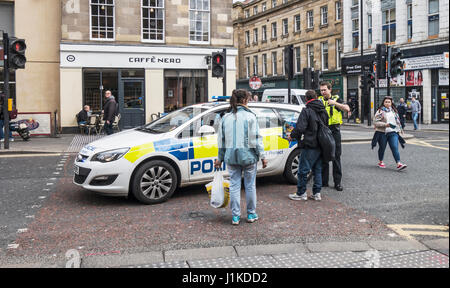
pixel 95 83
pixel 184 88
pixel 102 19
pixel 138 73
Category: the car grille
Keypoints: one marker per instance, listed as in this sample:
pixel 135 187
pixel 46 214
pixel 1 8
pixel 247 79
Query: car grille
pixel 81 178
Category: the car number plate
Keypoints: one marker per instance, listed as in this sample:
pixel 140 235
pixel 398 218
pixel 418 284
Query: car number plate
pixel 76 169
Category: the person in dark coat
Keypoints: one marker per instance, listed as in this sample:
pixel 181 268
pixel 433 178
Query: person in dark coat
pixel 311 155
pixel 83 115
pixel 402 108
pixel 109 112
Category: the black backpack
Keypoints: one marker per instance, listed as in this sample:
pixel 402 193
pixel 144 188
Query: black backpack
pixel 326 141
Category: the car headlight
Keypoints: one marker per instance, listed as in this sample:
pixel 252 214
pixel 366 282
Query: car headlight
pixel 111 155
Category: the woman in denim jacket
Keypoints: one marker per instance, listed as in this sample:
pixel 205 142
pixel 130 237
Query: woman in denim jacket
pixel 240 146
pixel 388 126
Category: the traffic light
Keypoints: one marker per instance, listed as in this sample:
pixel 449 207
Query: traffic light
pixel 363 82
pixel 396 67
pixel 371 80
pixel 16 53
pixel 307 79
pixel 218 64
pixel 289 61
pixel 317 78
pixel 314 84
pixel 381 60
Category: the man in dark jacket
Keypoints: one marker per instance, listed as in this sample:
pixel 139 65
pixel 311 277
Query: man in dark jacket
pixel 83 115
pixel 109 112
pixel 402 108
pixel 310 157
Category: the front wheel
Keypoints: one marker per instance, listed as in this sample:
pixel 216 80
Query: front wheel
pixel 154 182
pixel 292 166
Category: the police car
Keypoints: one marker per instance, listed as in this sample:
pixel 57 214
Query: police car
pixel 179 149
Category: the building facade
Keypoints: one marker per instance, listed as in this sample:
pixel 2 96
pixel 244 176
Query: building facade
pixel 262 28
pixel 152 55
pixel 420 29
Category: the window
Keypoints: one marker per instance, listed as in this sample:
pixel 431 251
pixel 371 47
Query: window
pixel 95 83
pixel 188 88
pixel 388 20
pixel 338 11
pixel 409 15
pixel 324 15
pixel 255 35
pixel 263 7
pixel 288 116
pixel 255 65
pixel 310 18
pixel 264 65
pixel 247 13
pixel 324 55
pixel 7 17
pixel 369 24
pixel 355 25
pixel 338 53
pixel 285 1
pixel 266 118
pixel 102 19
pixel 310 56
pixel 247 62
pixel 274 63
pixel 255 10
pixel 433 17
pixel 285 27
pixel 274 30
pixel 274 3
pixel 247 38
pixel 199 15
pixel 264 33
pixel 297 23
pixel 153 20
pixel 297 59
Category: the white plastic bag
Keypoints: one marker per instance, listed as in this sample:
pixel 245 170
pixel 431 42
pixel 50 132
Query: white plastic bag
pixel 217 191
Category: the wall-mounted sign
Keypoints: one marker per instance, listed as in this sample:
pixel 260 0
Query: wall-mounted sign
pixel 443 78
pixel 414 78
pixel 38 123
pixel 424 62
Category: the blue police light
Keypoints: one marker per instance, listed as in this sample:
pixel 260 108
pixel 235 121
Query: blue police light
pixel 221 98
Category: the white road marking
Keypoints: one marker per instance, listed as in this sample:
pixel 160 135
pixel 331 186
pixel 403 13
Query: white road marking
pixel 13 246
pixel 22 230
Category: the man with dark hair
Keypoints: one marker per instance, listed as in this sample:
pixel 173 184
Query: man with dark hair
pixel 334 107
pixel 310 157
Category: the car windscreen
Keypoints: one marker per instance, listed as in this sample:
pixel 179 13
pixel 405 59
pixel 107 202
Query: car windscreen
pixel 172 120
pixel 276 99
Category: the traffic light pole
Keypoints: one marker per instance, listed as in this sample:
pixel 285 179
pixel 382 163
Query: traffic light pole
pixel 363 100
pixel 224 79
pixel 5 89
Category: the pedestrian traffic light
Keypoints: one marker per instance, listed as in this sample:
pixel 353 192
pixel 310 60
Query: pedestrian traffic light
pixel 371 80
pixel 381 60
pixel 289 61
pixel 363 82
pixel 218 64
pixel 396 67
pixel 16 53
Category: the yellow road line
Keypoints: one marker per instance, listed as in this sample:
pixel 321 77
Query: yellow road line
pixel 425 144
pixel 402 230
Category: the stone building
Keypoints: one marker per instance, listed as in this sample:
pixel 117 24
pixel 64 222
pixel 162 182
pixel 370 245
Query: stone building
pixel 264 27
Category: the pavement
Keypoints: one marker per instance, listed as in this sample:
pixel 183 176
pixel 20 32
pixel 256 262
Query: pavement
pixel 443 127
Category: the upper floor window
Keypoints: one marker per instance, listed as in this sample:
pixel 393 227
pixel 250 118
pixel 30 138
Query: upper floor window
pixel 324 55
pixel 247 38
pixel 274 3
pixel 324 15
pixel 199 16
pixel 274 30
pixel 264 65
pixel 285 1
pixel 247 13
pixel 297 23
pixel 264 33
pixel 263 7
pixel 409 15
pixel 255 35
pixel 338 10
pixel 433 18
pixel 285 27
pixel 369 24
pixel 153 20
pixel 310 19
pixel 388 21
pixel 310 51
pixel 102 19
pixel 255 10
pixel 355 25
pixel 338 53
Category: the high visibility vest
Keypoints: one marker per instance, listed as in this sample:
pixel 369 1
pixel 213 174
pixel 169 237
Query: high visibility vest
pixel 334 115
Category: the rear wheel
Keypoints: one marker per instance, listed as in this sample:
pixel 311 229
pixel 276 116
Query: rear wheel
pixel 154 182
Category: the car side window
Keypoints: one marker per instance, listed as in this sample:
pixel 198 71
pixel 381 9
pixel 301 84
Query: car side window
pixel 266 118
pixel 213 119
pixel 288 115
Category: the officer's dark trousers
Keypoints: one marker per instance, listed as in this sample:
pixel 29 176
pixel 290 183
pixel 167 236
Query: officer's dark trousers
pixel 337 168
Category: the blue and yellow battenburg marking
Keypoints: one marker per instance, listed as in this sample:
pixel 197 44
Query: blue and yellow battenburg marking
pixel 203 147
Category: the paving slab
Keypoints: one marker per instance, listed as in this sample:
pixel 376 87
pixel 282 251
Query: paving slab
pixel 265 261
pixel 320 260
pixel 437 244
pixel 200 253
pixel 338 246
pixel 270 249
pixel 122 260
pixel 397 245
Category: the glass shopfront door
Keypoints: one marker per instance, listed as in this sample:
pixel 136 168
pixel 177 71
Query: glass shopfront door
pixel 131 103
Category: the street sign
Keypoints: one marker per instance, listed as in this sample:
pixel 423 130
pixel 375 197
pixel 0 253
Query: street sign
pixel 255 83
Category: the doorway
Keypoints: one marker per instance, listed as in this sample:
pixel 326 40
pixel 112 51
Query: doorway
pixel 131 103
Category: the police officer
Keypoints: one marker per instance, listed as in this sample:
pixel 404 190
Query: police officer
pixel 334 106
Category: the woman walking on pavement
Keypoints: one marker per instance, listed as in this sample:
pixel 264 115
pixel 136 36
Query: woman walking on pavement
pixel 388 126
pixel 240 146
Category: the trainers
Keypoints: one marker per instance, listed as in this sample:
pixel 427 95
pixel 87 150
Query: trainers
pixel 401 166
pixel 316 197
pixel 2 140
pixel 297 197
pixel 252 218
pixel 11 139
pixel 381 164
pixel 235 220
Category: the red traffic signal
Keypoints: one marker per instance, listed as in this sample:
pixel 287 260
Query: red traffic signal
pixel 16 53
pixel 218 64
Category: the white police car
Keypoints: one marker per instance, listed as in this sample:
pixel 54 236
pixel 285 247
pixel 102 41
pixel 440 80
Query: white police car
pixel 179 149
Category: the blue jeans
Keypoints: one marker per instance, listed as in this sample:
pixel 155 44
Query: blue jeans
pixel 310 159
pixel 415 116
pixel 235 188
pixel 2 134
pixel 392 139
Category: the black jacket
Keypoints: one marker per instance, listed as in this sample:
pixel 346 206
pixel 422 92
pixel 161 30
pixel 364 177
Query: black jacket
pixel 82 116
pixel 307 124
pixel 110 109
pixel 402 109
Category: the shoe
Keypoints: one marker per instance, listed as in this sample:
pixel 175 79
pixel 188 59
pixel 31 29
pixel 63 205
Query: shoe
pixel 401 166
pixel 325 185
pixel 381 164
pixel 235 220
pixel 2 140
pixel 252 218
pixel 338 187
pixel 316 197
pixel 297 197
pixel 11 139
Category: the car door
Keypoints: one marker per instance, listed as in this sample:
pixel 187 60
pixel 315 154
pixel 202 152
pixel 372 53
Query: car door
pixel 204 148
